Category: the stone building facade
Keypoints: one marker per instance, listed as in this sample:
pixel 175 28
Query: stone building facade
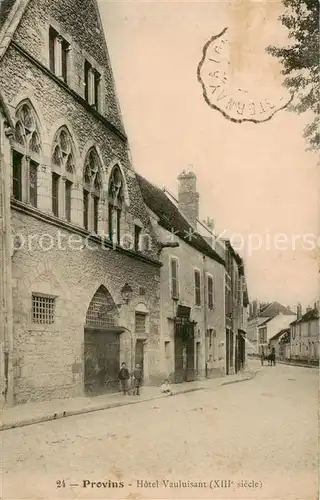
pixel 305 335
pixel 191 286
pixel 81 234
pixel 236 300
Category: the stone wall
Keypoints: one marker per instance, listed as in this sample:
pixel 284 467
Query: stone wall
pixel 48 359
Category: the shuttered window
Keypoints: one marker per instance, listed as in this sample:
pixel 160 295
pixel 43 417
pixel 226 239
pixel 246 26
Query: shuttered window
pixel 210 292
pixel 197 287
pixel 174 278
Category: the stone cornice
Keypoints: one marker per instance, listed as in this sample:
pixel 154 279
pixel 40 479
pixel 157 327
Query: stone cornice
pixel 67 226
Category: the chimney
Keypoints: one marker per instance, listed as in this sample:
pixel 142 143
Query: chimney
pixel 299 310
pixel 255 308
pixel 316 307
pixel 188 198
pixel 210 224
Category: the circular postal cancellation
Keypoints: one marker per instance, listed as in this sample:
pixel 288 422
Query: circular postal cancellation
pixel 229 86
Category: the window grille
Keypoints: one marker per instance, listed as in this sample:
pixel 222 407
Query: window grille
pixel 43 309
pixel 102 310
pixel 140 323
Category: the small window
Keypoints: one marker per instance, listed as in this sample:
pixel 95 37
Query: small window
pixel 87 67
pixel 68 200
pixel 97 79
pixel 137 232
pixel 174 279
pixel 55 194
pixel 197 287
pixel 43 309
pixel 58 62
pixel 92 84
pixel 210 339
pixel 33 183
pixel 95 213
pixel 16 175
pixel 210 292
pixel 85 209
pixel 52 38
pixel 64 60
pixel 140 323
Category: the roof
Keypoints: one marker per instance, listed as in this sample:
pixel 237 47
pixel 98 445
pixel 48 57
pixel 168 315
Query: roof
pixel 236 256
pixel 279 334
pixel 264 322
pixel 311 315
pixel 275 308
pixel 5 9
pixel 171 219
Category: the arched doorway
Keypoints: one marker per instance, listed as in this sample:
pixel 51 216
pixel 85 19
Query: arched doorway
pixel 101 344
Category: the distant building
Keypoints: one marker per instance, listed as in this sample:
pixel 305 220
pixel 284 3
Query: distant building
pixel 305 335
pixel 280 341
pixel 265 321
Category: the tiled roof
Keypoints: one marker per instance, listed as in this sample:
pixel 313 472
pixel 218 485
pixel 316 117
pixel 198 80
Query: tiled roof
pixel 309 316
pixel 279 334
pixel 266 321
pixel 171 219
pixel 273 309
pixel 5 8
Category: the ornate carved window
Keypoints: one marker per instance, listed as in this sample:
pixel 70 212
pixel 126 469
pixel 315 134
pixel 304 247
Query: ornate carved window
pixel 92 185
pixel 63 170
pixel 26 154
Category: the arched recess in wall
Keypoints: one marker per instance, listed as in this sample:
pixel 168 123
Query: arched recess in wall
pixel 101 343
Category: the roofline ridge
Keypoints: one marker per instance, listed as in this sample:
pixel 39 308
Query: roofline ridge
pixel 11 24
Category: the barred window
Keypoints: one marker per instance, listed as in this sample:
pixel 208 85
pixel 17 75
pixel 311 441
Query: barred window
pixel 43 309
pixel 140 322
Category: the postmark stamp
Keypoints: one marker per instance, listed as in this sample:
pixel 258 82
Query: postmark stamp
pixel 237 99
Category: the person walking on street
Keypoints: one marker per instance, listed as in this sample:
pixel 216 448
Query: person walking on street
pixel 124 376
pixel 273 356
pixel 137 379
pixel 262 358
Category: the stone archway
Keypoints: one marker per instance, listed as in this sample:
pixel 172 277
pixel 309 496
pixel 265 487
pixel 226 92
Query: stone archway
pixel 101 344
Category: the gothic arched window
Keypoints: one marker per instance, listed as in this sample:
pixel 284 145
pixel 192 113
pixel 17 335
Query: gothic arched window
pixel 116 200
pixel 63 170
pixel 26 154
pixel 92 184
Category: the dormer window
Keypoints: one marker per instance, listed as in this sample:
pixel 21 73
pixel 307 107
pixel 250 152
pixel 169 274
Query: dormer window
pixel 58 54
pixel 92 83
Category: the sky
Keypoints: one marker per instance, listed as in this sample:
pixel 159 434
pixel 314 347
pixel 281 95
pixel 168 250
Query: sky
pixel 255 180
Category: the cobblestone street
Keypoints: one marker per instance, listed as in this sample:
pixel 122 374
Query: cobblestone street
pixel 263 430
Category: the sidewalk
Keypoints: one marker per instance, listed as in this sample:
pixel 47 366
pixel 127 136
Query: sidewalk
pixel 32 413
